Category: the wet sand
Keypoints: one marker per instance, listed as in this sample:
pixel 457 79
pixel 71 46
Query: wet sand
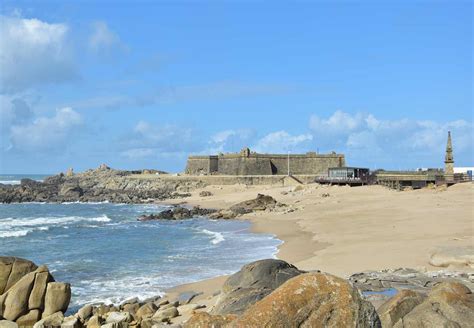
pixel 343 230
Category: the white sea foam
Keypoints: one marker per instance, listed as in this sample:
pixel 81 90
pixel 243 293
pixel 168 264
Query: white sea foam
pixel 18 233
pixel 31 222
pixel 217 236
pixel 11 227
pixel 10 182
pixel 85 203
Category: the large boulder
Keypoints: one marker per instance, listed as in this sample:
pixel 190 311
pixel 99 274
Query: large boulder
pixel 57 298
pixel 13 269
pixel 30 292
pixel 392 311
pixel 52 321
pixel 15 301
pixel 450 304
pixel 252 283
pixel 311 300
pixel 29 319
pixel 42 279
pixel 261 203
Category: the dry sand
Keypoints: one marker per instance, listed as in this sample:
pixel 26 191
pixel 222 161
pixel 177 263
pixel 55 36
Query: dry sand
pixel 343 230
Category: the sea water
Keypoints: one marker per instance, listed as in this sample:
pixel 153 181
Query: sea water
pixel 14 179
pixel 108 256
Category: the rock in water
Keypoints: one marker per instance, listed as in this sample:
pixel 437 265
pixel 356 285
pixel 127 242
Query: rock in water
pixel 252 283
pixel 311 300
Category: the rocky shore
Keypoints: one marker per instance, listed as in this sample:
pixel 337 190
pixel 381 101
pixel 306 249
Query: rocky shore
pixel 262 203
pixel 265 293
pixel 98 185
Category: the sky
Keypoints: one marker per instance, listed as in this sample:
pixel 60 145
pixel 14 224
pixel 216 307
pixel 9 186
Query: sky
pixel 142 84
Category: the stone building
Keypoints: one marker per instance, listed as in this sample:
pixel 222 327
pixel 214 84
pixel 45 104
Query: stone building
pixel 251 163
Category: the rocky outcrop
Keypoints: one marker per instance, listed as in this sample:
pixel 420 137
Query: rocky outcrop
pixel 311 300
pixel 30 292
pixel 261 203
pixel 392 311
pixel 375 284
pixel 252 283
pixel 205 320
pixel 449 304
pixel 177 213
pixel 102 184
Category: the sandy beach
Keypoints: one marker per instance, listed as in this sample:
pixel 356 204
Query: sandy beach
pixel 343 230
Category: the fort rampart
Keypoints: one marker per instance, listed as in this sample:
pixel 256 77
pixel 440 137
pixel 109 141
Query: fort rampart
pixel 249 163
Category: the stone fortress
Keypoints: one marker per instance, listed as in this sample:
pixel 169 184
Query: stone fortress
pixel 248 163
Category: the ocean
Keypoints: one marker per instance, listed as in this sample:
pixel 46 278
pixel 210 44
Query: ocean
pixel 108 256
pixel 15 179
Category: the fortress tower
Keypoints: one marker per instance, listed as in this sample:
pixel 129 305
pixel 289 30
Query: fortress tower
pixel 448 159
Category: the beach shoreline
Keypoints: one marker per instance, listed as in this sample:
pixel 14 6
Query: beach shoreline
pixel 344 230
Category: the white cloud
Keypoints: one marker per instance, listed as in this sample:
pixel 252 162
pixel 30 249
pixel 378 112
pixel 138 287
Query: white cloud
pixel 230 140
pixel 282 141
pixel 103 40
pixel 33 53
pixel 365 138
pixel 150 140
pixel 45 132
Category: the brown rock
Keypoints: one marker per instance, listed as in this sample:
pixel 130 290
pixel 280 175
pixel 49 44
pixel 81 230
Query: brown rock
pixel 29 319
pixel 71 322
pixel 42 278
pixel 8 324
pixel 398 306
pixel 17 268
pixel 449 304
pixel 146 311
pixel 131 308
pixel 206 320
pixel 166 314
pixel 94 322
pixel 57 298
pixel 102 309
pixel 85 312
pixel 16 298
pixel 251 283
pixel 311 300
pixel 52 321
pixel 6 264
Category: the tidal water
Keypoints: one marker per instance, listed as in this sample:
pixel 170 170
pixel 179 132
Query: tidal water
pixel 108 256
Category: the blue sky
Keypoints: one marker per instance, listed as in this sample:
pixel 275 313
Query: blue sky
pixel 141 84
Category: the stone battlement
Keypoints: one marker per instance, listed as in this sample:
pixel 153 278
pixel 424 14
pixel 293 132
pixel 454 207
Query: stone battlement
pixel 251 163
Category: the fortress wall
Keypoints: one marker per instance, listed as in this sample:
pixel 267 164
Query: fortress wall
pixel 198 165
pixel 238 165
pixel 263 164
pixel 307 164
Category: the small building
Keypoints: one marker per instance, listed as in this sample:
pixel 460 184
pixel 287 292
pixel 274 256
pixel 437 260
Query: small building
pixel 353 176
pixel 465 171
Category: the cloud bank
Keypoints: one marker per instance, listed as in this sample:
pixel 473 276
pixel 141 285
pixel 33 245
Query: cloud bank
pixel 33 53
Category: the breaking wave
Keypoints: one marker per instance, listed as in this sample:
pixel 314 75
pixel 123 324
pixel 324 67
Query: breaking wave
pixel 217 236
